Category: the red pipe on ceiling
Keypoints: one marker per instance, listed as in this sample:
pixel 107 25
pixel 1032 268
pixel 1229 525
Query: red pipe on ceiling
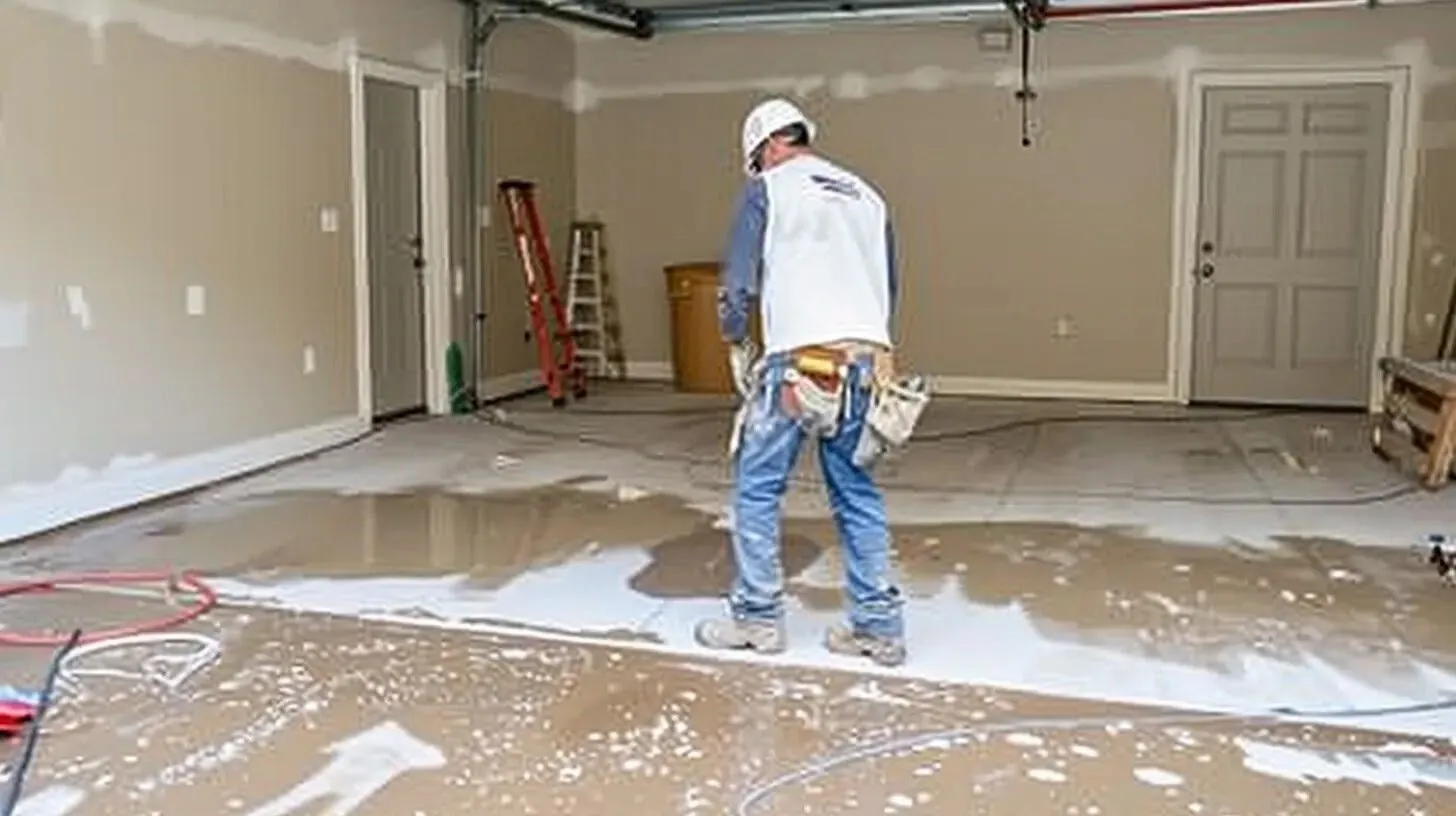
pixel 1055 12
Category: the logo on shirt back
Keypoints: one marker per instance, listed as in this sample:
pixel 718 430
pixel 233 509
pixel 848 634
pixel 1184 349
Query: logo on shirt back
pixel 838 186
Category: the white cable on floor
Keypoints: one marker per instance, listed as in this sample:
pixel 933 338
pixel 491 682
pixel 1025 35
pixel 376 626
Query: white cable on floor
pixel 823 765
pixel 166 670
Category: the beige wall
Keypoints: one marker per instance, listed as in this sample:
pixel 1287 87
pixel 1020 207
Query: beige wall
pixel 1433 255
pixel 194 142
pixel 531 136
pixel 998 241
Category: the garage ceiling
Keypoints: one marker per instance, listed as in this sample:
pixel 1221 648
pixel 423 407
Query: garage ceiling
pixel 643 19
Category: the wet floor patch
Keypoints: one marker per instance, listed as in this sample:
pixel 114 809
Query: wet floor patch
pixel 306 714
pixel 1093 612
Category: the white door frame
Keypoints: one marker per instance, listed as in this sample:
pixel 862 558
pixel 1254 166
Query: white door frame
pixel 1401 146
pixel 434 225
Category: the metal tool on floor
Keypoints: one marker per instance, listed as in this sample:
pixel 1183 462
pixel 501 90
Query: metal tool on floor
pixel 1440 557
pixel 592 305
pixel 561 372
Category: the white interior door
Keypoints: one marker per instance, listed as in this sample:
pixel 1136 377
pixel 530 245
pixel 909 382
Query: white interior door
pixel 1289 244
pixel 396 261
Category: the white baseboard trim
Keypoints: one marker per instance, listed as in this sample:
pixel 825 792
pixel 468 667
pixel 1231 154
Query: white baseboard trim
pixel 26 511
pixel 649 370
pixel 661 371
pixel 508 385
pixel 1091 390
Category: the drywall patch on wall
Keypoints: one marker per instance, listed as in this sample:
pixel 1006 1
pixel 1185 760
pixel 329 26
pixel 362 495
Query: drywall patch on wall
pixel 535 88
pixel 580 96
pixel 77 306
pixel 1416 55
pixel 857 85
pixel 1174 65
pixel 853 85
pixel 594 95
pixel 433 57
pixel 14 324
pixel 191 31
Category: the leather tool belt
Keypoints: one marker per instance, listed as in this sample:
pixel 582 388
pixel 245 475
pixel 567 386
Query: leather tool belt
pixel 825 366
pixel 814 388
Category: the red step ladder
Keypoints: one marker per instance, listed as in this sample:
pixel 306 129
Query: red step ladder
pixel 555 350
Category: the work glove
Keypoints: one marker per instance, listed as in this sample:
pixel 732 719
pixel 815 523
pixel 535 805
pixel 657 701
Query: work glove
pixel 741 359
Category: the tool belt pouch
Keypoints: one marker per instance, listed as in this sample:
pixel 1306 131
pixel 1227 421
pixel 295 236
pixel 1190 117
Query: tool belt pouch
pixel 813 390
pixel 894 411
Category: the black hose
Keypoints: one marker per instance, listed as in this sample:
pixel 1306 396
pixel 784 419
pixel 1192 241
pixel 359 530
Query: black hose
pixel 1364 500
pixel 32 729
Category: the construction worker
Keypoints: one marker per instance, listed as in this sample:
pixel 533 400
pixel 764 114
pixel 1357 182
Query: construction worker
pixel 812 242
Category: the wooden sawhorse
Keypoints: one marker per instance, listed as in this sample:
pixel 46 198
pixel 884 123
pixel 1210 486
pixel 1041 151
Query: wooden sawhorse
pixel 1416 429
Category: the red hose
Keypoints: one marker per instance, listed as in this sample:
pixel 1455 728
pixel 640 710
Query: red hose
pixel 206 600
pixel 1134 9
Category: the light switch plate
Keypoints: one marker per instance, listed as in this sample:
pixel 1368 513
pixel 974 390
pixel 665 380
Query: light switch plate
pixel 329 219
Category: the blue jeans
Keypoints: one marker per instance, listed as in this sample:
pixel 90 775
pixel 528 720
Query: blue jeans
pixel 767 453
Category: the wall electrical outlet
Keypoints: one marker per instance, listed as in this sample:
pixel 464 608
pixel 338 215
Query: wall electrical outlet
pixel 1064 327
pixel 310 360
pixel 995 39
pixel 196 301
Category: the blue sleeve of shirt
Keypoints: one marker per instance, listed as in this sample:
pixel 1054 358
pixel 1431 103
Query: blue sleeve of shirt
pixel 893 269
pixel 738 277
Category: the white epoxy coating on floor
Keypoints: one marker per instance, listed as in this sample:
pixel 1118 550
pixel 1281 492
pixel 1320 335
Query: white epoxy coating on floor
pixel 950 640
pixel 1244 482
pixel 1408 770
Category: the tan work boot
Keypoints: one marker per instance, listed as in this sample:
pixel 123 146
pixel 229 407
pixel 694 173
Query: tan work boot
pixel 843 640
pixel 757 636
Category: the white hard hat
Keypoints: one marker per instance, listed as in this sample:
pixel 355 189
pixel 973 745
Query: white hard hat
pixel 768 117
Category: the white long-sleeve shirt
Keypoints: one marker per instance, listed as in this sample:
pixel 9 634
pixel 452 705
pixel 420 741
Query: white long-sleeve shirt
pixel 814 242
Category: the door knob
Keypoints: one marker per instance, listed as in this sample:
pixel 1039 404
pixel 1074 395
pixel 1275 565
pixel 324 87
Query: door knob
pixel 1205 270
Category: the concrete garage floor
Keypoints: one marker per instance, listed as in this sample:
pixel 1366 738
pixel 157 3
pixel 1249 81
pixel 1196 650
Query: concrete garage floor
pixel 465 616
